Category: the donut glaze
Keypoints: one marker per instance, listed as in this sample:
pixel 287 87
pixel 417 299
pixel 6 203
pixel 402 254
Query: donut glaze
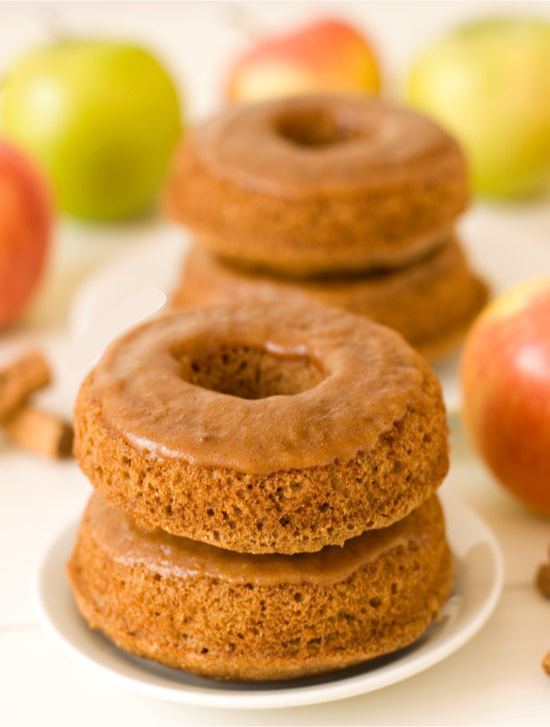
pixel 147 383
pixel 309 148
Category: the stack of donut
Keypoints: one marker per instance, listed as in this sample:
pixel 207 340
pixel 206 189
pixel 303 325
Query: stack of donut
pixel 265 480
pixel 348 201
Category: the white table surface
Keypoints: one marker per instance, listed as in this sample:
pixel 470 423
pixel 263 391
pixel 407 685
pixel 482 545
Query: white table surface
pixel 496 678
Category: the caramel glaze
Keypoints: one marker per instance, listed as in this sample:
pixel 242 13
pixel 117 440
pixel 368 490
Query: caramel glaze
pixel 370 376
pixel 122 540
pixel 375 144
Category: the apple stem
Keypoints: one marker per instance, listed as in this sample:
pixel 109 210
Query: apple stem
pixel 237 16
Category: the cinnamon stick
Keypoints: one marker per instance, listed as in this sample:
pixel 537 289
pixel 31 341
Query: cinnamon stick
pixel 40 432
pixel 543 579
pixel 21 378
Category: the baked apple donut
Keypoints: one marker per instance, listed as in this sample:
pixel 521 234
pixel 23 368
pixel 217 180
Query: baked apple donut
pixel 431 303
pixel 316 184
pixel 263 428
pixel 236 616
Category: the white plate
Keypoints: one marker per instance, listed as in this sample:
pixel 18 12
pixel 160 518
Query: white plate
pixel 478 585
pixel 495 249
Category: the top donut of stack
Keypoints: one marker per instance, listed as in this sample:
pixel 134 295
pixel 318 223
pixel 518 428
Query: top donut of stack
pixel 272 428
pixel 319 184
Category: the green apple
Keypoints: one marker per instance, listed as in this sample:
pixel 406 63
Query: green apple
pixel 102 118
pixel 489 84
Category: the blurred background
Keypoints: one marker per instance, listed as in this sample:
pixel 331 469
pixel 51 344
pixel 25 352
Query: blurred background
pixel 200 46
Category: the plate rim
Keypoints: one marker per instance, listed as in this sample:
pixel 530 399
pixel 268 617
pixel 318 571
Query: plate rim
pixel 342 688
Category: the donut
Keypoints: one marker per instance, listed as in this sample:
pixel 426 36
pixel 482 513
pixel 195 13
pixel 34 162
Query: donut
pixel 232 616
pixel 431 303
pixel 321 183
pixel 267 428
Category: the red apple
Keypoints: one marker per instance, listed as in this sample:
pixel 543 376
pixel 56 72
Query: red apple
pixel 26 216
pixel 505 376
pixel 327 55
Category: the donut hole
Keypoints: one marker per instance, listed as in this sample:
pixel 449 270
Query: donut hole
pixel 315 128
pixel 249 373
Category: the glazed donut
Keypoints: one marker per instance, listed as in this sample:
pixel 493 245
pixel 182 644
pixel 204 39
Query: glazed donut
pixel 315 184
pixel 232 616
pixel 268 428
pixel 431 303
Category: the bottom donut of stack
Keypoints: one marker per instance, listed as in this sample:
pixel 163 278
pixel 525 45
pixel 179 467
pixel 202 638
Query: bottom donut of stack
pixel 431 302
pixel 260 617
